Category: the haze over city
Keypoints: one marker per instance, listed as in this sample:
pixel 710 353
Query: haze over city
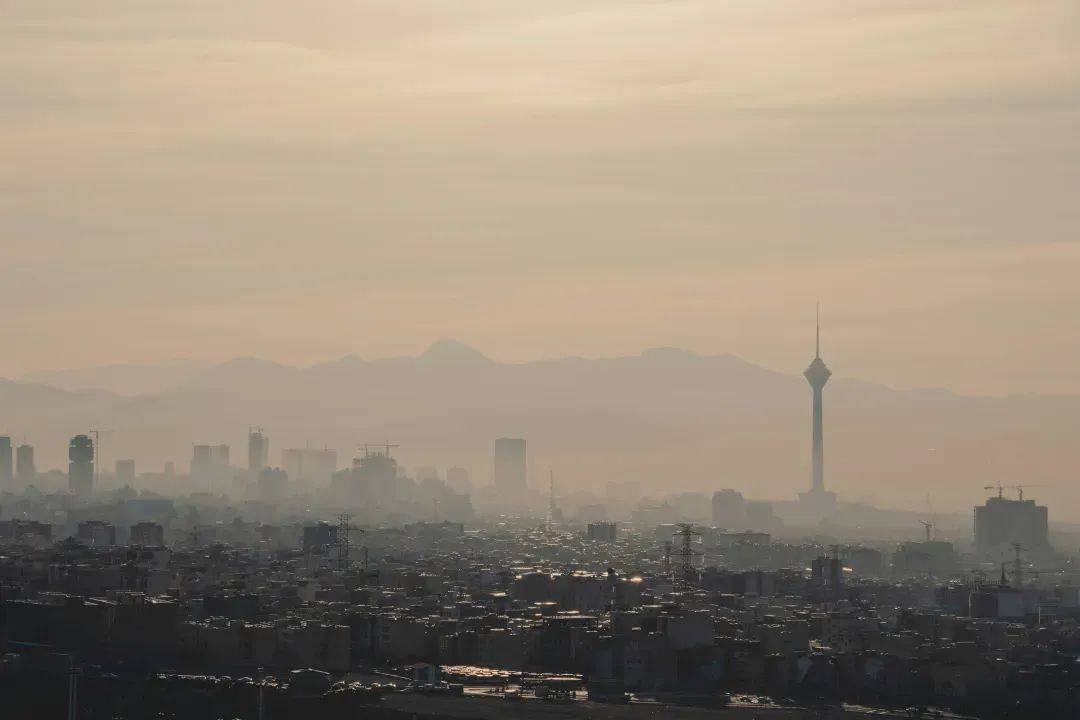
pixel 483 359
pixel 295 183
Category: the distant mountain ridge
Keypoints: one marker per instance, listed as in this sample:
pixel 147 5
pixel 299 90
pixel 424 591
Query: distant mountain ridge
pixel 668 418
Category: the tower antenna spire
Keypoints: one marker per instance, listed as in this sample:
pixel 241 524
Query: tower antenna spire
pixel 817 330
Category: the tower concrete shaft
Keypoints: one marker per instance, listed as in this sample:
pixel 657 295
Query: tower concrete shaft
pixel 818 374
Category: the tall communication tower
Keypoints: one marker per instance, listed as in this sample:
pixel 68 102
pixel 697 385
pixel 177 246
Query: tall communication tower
pixel 686 575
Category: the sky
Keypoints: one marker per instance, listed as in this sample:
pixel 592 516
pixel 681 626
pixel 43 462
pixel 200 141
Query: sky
pixel 297 181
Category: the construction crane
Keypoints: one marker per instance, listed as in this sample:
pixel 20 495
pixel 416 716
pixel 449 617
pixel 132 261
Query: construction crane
pixel 386 446
pixel 685 554
pixel 929 528
pixel 1020 489
pixel 999 488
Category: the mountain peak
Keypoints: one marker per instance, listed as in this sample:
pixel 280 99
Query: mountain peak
pixel 447 352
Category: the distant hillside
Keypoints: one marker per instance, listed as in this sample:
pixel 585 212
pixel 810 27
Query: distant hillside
pixel 667 418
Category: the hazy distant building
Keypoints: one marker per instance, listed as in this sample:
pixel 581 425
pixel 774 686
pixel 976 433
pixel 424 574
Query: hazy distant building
pixel 760 515
pixel 426 472
pixel 81 465
pixel 373 480
pixel 125 472
pixel 511 468
pixel 258 451
pixel 818 501
pixel 319 536
pixel 729 509
pixel 457 479
pixel 936 558
pixel 602 531
pixel 309 467
pixel 7 466
pixel 25 470
pixel 1001 522
pixel 273 484
pixel 209 466
pixel 96 533
pixel 147 534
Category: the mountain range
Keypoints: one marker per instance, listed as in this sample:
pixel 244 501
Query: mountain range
pixel 667 418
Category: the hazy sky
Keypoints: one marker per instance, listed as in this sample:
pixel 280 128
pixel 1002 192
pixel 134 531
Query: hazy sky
pixel 301 180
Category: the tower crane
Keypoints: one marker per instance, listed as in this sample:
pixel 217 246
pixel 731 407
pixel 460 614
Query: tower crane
pixel 1020 489
pixel 999 488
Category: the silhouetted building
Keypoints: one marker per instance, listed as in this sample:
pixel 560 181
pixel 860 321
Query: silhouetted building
pixel 1001 522
pixel 511 468
pixel 24 465
pixel 209 466
pixel 147 534
pixel 760 515
pixel 818 501
pixel 603 531
pixel 125 472
pixel 729 509
pixel 319 536
pixel 7 467
pixel 81 465
pixel 830 572
pixel 258 452
pixel 273 484
pixel 18 529
pixel 936 558
pixel 96 533
pixel 309 467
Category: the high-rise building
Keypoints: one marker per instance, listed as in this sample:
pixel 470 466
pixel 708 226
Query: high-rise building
pixel 1001 522
pixel 818 501
pixel 147 534
pixel 81 465
pixel 219 456
pixel 729 510
pixel 209 466
pixel 511 468
pixel 309 467
pixel 603 531
pixel 125 472
pixel 273 484
pixel 96 533
pixel 24 465
pixel 258 451
pixel 7 467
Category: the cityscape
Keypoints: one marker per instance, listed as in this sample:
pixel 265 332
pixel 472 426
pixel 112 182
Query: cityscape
pixel 488 359
pixel 372 590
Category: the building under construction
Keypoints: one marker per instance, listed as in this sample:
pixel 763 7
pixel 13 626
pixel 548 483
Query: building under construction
pixel 1002 522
